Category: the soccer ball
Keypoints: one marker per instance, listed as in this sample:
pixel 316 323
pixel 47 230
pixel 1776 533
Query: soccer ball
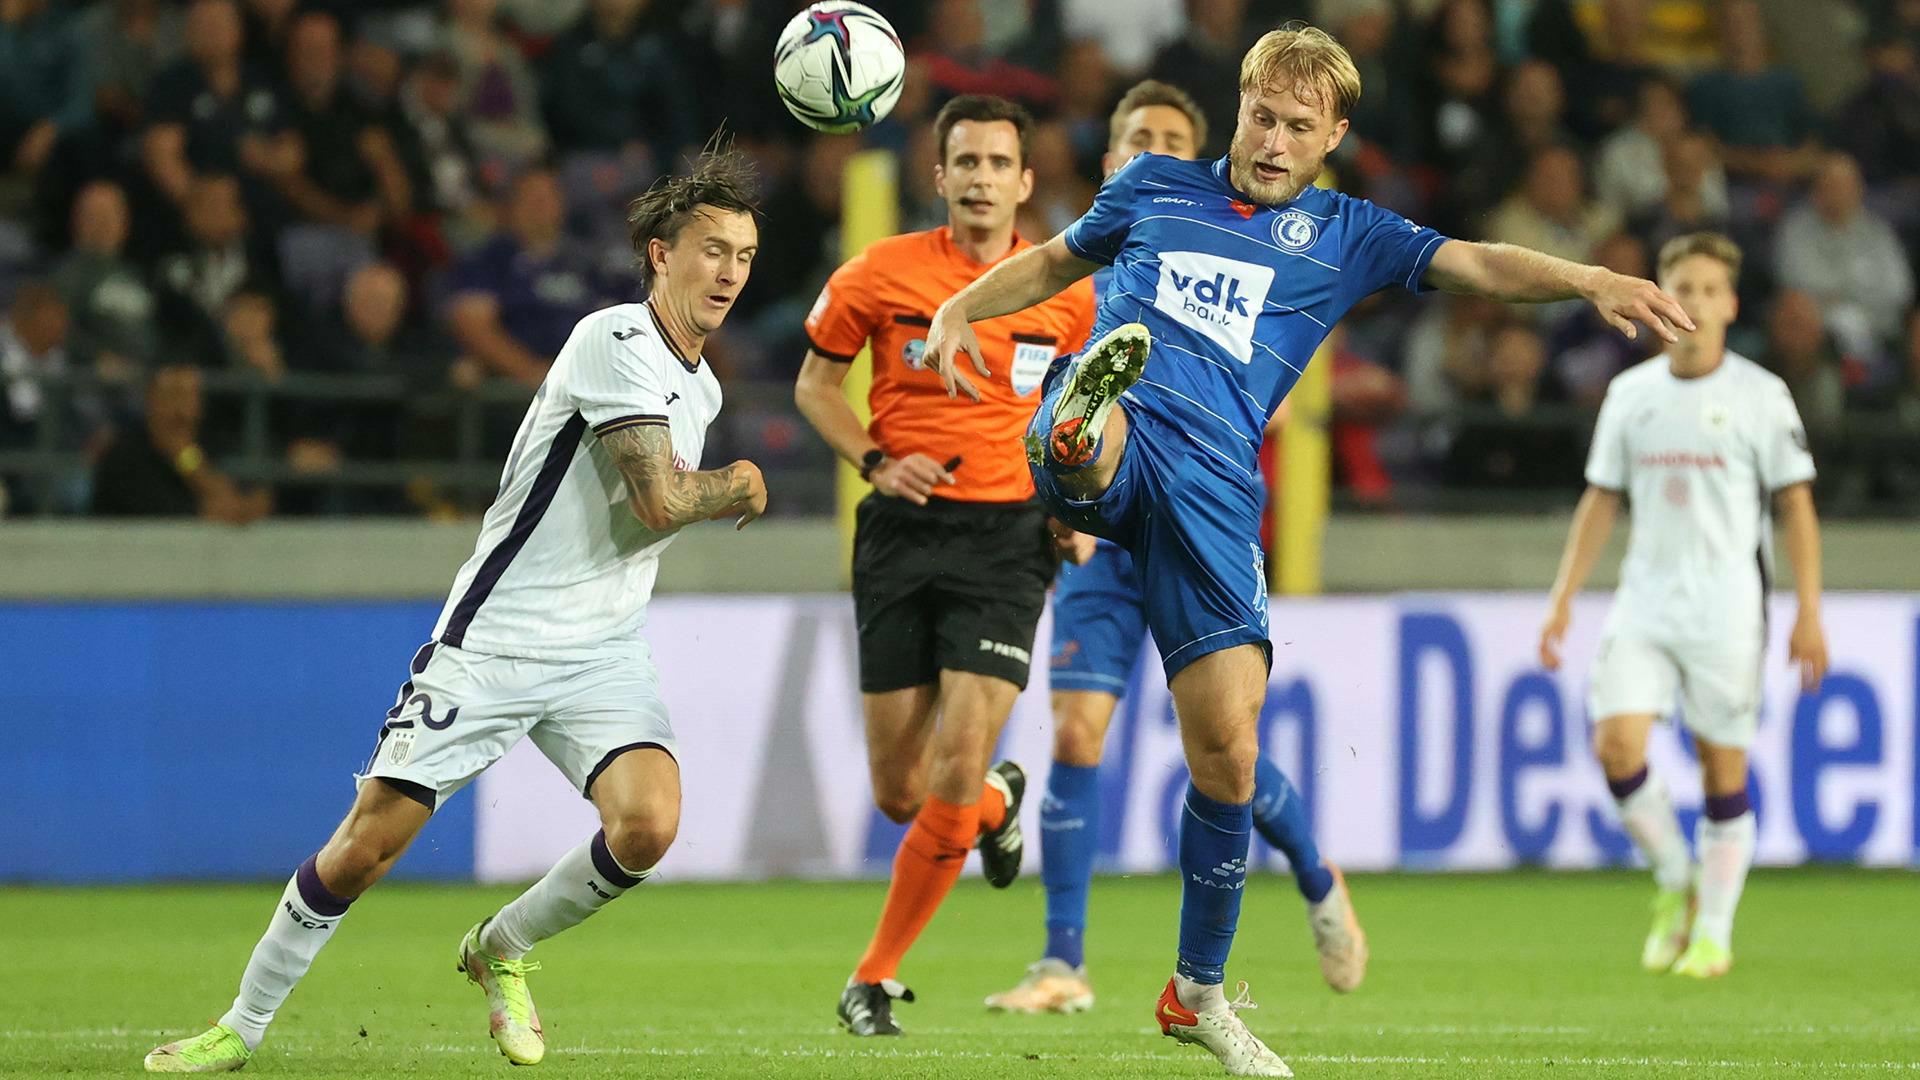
pixel 839 66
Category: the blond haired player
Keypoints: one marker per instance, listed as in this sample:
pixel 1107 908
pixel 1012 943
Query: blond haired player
pixel 1230 273
pixel 1099 628
pixel 1705 446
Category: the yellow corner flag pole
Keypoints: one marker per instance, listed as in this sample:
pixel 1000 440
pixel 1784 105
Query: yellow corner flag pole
pixel 870 210
pixel 1306 474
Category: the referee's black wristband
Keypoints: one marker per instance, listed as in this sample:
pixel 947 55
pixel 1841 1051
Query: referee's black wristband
pixel 871 461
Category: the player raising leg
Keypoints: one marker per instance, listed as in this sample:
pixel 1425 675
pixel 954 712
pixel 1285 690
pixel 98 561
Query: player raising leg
pixel 951 554
pixel 1234 271
pixel 1099 626
pixel 1706 445
pixel 539 637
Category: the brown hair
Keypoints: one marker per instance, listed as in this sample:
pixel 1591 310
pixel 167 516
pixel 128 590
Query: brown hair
pixel 1711 244
pixel 722 178
pixel 1306 60
pixel 1154 92
pixel 982 109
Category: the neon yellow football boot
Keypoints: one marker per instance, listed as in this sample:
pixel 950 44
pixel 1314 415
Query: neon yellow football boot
pixel 1704 960
pixel 511 1018
pixel 1672 921
pixel 217 1049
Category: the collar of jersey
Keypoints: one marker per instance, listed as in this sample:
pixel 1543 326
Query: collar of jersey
pixel 953 250
pixel 667 338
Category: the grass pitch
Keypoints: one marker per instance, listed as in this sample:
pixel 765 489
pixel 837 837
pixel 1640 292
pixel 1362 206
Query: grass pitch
pixel 1524 975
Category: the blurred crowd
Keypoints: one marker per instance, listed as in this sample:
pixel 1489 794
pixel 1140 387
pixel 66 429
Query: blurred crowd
pixel 434 192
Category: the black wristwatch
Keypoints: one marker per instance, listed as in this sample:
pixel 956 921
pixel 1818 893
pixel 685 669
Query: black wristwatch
pixel 870 461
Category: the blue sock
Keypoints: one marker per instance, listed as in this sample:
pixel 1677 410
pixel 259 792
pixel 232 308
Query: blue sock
pixel 1281 816
pixel 1069 832
pixel 1213 872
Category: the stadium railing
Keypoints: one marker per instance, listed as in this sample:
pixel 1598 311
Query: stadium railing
pixel 248 449
pixel 1870 463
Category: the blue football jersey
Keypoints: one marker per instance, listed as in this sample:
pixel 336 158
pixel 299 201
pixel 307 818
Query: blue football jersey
pixel 1237 296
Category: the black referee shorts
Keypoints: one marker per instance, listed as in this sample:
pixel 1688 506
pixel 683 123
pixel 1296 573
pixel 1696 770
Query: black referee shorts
pixel 949 586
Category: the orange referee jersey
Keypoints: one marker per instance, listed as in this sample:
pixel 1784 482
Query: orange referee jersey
pixel 887 294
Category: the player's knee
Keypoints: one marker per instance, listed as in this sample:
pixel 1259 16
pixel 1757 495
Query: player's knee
pixel 356 858
pixel 1620 754
pixel 639 839
pixel 1223 768
pixel 898 794
pixel 1723 770
pixel 1078 740
pixel 899 807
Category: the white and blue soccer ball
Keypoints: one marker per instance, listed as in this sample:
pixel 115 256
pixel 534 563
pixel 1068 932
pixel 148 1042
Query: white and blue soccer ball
pixel 839 66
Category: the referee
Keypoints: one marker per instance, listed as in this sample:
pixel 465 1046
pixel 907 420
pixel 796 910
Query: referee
pixel 943 651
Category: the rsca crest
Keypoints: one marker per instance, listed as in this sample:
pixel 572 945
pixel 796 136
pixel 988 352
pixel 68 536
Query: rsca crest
pixel 1294 231
pixel 1217 297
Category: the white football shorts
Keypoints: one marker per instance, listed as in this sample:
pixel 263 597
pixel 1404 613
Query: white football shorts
pixel 1715 684
pixel 462 711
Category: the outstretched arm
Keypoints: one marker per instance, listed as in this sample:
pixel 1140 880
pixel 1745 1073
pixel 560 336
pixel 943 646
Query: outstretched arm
pixel 1592 525
pixel 1514 274
pixel 1014 285
pixel 665 498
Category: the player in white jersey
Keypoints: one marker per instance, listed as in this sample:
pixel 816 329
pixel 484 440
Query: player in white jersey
pixel 1705 446
pixel 540 636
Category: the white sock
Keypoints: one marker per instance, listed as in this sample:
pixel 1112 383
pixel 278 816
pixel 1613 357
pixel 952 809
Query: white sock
pixel 294 936
pixel 1649 819
pixel 585 880
pixel 1726 852
pixel 1200 997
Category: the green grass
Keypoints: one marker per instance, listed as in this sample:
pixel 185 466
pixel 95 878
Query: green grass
pixel 1526 975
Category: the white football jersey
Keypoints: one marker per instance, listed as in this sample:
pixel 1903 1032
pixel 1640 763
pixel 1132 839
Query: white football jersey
pixel 1699 461
pixel 562 566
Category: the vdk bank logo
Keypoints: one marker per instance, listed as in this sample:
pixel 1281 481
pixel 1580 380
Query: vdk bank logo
pixel 1217 297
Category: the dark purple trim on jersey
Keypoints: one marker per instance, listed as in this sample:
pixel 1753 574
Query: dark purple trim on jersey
pixel 607 760
pixel 319 899
pixel 1728 807
pixel 668 339
pixel 1035 339
pixel 838 358
pixel 1623 788
pixel 609 866
pixel 419 793
pixel 912 320
pixel 619 423
pixel 420 661
pixel 539 497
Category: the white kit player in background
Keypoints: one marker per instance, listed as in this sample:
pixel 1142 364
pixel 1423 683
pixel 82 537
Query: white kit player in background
pixel 540 637
pixel 1705 446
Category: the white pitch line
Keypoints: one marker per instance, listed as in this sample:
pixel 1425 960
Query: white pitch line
pixel 1584 1061
pixel 78 1033
pixel 1306 1030
pixel 479 1049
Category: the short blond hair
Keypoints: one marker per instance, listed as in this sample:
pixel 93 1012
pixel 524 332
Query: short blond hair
pixel 1150 92
pixel 1713 245
pixel 1306 60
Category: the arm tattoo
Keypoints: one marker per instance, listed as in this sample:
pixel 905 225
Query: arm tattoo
pixel 644 455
